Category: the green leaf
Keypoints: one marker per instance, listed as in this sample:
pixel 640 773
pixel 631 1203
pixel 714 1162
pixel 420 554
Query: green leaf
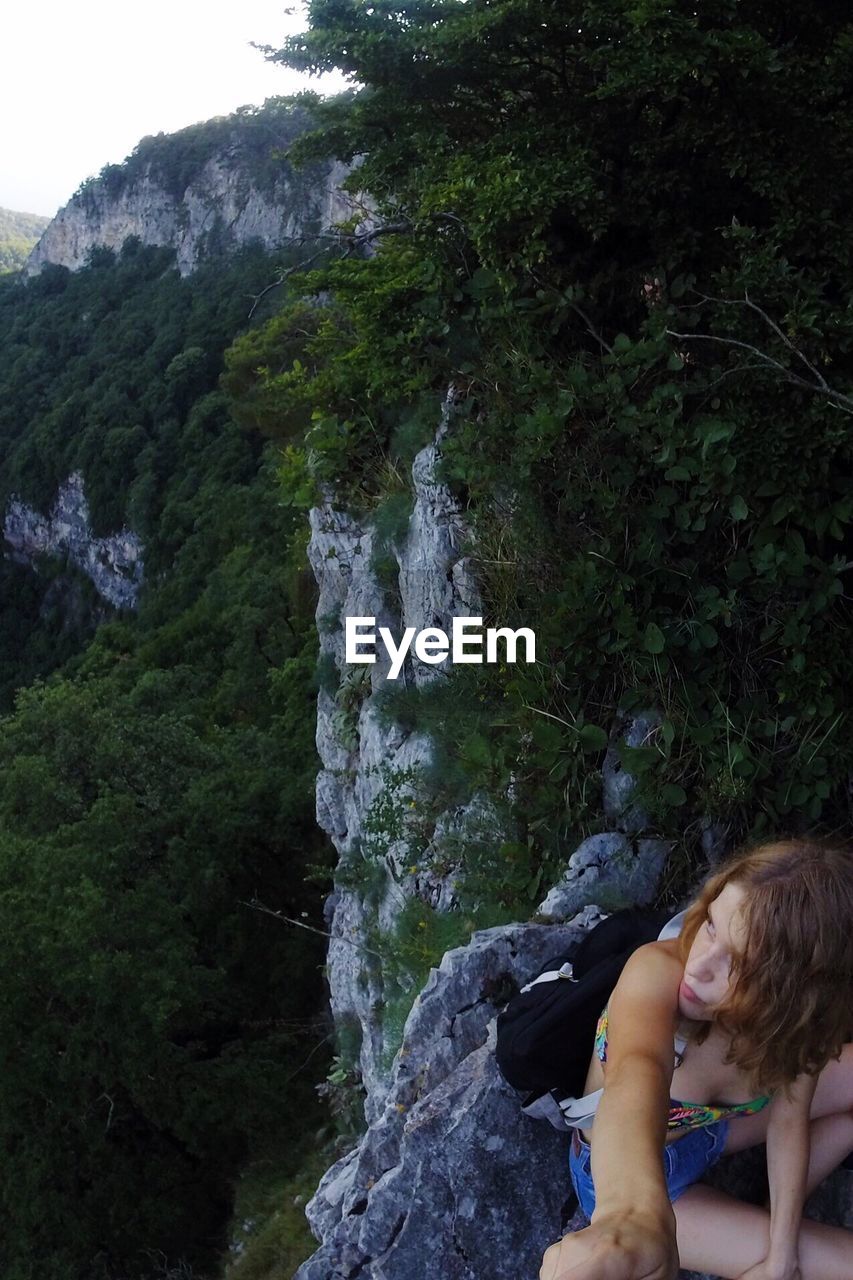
pixel 593 738
pixel 738 570
pixel 673 795
pixel 546 734
pixel 475 749
pixel 713 431
pixel 637 760
pixel 653 641
pixel 738 508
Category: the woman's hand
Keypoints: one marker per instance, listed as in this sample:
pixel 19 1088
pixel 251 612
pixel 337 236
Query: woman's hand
pixel 623 1246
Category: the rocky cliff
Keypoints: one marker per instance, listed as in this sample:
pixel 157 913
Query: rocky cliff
pixel 206 189
pixel 440 1184
pixel 364 760
pixel 447 1148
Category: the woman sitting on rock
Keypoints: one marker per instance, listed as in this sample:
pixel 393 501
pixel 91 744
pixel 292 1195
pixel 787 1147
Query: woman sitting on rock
pixel 760 987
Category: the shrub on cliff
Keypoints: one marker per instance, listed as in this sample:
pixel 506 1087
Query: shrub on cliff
pixel 623 231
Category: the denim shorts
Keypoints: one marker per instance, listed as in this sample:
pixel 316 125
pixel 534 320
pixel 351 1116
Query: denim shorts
pixel 684 1160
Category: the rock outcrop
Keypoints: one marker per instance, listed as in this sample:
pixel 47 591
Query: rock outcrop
pixel 221 207
pixel 444 1172
pixel 114 563
pixel 366 761
pixel 447 1149
pixel 452 1179
pixel 611 869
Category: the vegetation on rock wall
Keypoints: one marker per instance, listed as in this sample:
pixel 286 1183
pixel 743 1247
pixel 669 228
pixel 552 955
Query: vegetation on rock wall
pixel 622 232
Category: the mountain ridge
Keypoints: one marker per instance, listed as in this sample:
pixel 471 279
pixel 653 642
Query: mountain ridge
pixel 204 190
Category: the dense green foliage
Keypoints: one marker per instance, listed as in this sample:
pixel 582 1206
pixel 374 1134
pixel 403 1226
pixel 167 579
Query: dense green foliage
pixel 622 232
pixel 154 1024
pixel 19 232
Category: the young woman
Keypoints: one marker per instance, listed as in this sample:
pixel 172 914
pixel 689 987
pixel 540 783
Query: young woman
pixel 757 992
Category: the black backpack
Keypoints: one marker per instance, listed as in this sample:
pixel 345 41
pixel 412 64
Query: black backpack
pixel 545 1034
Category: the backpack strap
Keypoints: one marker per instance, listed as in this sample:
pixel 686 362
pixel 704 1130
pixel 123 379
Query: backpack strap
pixel 579 1113
pixel 564 971
pixel 672 928
pixel 564 1113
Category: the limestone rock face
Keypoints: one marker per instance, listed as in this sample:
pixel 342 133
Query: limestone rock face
pixel 367 762
pixel 114 563
pixel 617 784
pixel 445 1171
pixel 611 869
pixel 220 208
pixel 418 1097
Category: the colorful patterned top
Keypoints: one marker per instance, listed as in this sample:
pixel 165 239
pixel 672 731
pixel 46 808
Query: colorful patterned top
pixel 688 1115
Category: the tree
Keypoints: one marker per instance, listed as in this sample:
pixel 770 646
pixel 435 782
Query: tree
pixel 622 231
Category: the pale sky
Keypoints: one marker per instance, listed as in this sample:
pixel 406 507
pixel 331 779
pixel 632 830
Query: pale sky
pixel 84 80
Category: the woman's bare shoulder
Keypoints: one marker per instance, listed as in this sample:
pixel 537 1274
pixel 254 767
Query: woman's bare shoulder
pixel 653 973
pixel 643 1009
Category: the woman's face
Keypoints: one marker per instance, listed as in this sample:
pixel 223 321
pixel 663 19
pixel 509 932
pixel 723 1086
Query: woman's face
pixel 707 973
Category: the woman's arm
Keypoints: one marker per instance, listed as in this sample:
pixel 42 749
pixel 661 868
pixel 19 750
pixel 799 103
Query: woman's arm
pixel 788 1147
pixel 633 1227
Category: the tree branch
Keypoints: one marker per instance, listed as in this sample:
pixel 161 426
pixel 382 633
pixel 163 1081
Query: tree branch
pixel 746 301
pixel 351 240
pixel 300 924
pixel 817 386
pixel 838 398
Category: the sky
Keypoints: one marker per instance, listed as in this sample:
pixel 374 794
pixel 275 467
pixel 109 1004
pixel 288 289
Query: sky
pixel 83 81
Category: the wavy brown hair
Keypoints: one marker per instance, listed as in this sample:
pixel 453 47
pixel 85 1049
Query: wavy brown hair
pixel 790 1009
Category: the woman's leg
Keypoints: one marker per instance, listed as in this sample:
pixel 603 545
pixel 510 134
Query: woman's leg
pixel 725 1237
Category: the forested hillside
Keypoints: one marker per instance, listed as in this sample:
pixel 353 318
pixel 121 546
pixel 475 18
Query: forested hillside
pixel 157 781
pixel 18 233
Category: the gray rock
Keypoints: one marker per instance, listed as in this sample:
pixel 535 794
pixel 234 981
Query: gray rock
pixel 114 563
pixel 617 784
pixel 610 869
pixel 715 840
pixel 221 201
pixel 457 831
pixel 368 764
pixel 435 579
pixel 444 1171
